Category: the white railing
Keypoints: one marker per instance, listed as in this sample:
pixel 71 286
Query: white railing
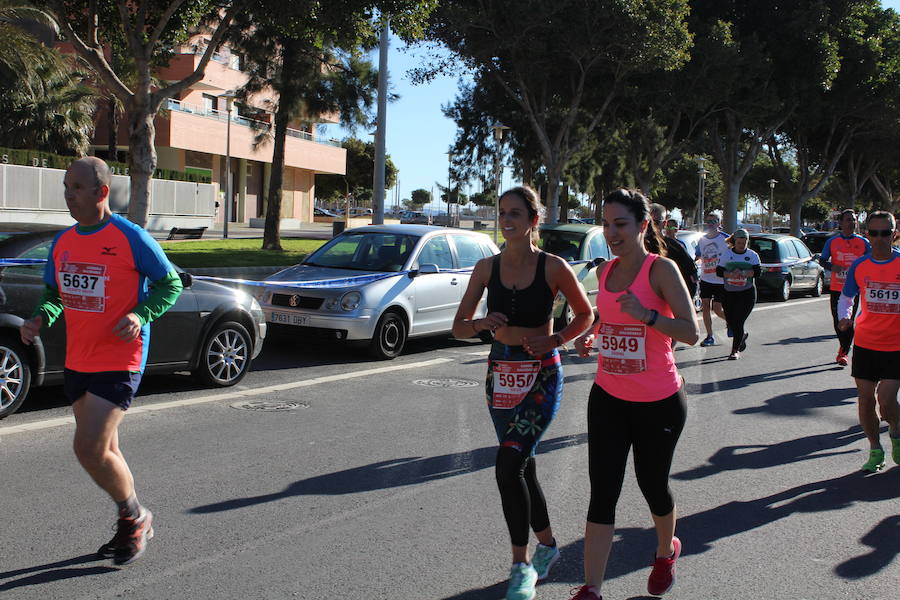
pixel 221 115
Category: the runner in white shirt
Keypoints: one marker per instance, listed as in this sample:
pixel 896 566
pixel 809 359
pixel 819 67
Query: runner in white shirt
pixel 709 249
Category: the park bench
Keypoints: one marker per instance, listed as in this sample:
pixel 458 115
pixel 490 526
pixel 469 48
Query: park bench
pixel 186 233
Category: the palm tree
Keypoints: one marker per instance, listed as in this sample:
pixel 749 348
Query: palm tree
pixel 43 98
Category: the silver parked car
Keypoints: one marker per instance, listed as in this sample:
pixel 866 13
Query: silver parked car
pixel 378 285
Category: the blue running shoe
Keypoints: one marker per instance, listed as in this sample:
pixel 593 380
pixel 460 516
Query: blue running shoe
pixel 709 341
pixel 543 559
pixel 522 579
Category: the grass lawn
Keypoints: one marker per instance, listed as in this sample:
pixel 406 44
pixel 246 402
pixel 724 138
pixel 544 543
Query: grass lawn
pixel 237 253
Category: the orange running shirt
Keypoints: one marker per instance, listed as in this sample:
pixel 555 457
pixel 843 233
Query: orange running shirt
pixel 101 276
pixel 878 286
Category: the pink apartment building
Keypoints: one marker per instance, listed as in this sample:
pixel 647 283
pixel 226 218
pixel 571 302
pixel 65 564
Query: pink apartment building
pixel 192 138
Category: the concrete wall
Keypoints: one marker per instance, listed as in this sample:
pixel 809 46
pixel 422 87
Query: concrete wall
pixel 33 194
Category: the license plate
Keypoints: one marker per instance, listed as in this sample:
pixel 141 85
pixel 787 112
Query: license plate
pixel 289 319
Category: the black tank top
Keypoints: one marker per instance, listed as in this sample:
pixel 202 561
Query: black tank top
pixel 531 307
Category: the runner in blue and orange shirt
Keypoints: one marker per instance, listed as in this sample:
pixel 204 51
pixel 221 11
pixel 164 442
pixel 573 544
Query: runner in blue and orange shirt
pixel 97 276
pixel 876 349
pixel 839 252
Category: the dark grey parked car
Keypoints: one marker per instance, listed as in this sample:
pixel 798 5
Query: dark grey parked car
pixel 787 266
pixel 213 331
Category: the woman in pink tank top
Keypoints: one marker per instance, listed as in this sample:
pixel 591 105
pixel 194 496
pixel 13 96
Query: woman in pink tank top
pixel 637 400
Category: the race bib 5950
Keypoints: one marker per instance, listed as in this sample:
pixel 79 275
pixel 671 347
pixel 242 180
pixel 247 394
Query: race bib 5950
pixel 513 379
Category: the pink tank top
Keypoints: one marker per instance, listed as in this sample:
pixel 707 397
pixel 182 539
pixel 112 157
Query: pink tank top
pixel 636 362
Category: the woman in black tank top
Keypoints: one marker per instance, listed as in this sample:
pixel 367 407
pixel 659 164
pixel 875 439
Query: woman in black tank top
pixel 524 379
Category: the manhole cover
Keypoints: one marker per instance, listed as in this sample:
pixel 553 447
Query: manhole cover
pixel 447 383
pixel 269 406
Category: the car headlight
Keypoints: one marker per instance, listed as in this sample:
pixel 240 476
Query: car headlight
pixel 350 301
pixel 256 310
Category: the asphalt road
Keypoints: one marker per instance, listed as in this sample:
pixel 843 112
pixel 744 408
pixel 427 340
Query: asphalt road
pixel 377 486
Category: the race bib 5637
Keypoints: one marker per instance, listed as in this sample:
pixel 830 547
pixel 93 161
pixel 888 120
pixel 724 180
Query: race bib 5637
pixel 82 286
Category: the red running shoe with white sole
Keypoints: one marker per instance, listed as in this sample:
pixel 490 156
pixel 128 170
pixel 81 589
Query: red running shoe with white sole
pixel 662 577
pixel 131 539
pixel 584 593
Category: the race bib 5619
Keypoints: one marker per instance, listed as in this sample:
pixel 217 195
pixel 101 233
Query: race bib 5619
pixel 883 298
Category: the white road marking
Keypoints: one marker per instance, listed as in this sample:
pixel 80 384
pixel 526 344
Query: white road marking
pixel 789 304
pixel 232 395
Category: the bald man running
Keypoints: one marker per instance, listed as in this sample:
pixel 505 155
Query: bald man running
pixel 97 276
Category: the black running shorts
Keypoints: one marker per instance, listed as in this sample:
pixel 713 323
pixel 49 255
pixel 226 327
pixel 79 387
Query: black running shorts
pixel 875 365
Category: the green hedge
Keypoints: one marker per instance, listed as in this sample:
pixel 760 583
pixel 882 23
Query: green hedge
pixel 35 158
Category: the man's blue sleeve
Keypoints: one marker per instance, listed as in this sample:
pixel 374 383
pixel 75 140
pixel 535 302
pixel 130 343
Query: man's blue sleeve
pixel 851 288
pixel 825 258
pixel 149 258
pixel 50 267
pixel 868 245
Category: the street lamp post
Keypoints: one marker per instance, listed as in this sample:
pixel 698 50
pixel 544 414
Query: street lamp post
pixel 498 140
pixel 772 183
pixel 449 184
pixel 229 96
pixel 701 185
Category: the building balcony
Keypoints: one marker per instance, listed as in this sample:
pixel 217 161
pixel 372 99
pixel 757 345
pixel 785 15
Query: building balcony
pixel 192 127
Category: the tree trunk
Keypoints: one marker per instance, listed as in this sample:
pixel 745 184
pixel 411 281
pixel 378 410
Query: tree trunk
pixel 552 200
pixel 113 136
pixel 272 235
pixel 141 162
pixel 796 209
pixel 732 196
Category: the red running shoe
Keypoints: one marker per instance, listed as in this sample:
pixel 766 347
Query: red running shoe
pixel 584 593
pixel 842 358
pixel 662 577
pixel 131 539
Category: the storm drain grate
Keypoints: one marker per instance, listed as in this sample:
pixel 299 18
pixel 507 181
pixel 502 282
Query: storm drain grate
pixel 447 383
pixel 269 406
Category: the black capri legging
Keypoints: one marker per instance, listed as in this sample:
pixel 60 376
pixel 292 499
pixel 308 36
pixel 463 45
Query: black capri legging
pixel 737 307
pixel 614 426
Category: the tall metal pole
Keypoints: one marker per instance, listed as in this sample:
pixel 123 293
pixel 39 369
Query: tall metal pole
pixel 449 185
pixel 378 179
pixel 772 183
pixel 498 141
pixel 228 192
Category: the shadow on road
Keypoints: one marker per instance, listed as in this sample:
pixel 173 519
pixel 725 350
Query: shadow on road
pixel 884 539
pixel 798 340
pixel 633 547
pixel 389 474
pixel 795 404
pixel 742 382
pixel 761 456
pixel 56 571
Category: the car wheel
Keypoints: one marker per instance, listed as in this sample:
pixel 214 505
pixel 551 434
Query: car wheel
pixel 785 294
pixel 564 319
pixel 15 375
pixel 225 355
pixel 390 336
pixel 817 289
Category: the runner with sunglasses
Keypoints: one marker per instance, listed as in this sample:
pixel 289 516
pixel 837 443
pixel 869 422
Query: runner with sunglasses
pixel 739 267
pixel 876 349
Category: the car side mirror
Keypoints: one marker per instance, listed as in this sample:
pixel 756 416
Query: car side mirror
pixel 426 269
pixel 816 256
pixel 186 279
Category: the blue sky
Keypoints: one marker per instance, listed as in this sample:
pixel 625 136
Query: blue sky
pixel 418 134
